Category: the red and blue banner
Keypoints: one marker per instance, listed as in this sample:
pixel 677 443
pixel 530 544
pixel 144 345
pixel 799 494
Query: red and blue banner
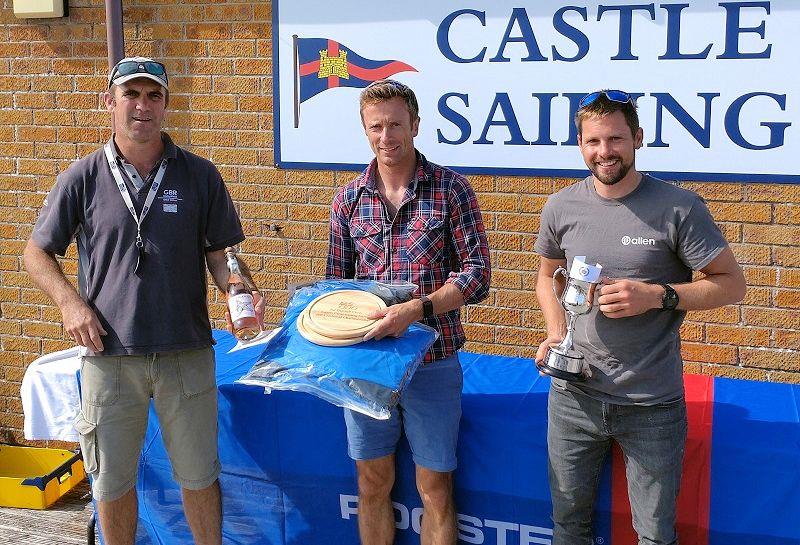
pixel 286 477
pixel 326 64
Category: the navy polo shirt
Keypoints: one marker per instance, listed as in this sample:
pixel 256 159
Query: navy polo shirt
pixel 163 307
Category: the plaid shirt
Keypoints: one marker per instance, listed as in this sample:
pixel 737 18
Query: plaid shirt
pixel 436 238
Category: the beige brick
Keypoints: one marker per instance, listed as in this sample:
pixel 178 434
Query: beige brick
pixel 308 248
pixel 525 186
pixel 20 344
pixel 782 235
pixel 724 315
pixel 239 85
pixel 518 223
pixel 731 231
pixel 760 276
pixel 753 254
pixel 789 278
pixel 238 121
pixel 245 31
pixel 787 339
pixel 216 102
pixel 787 299
pixel 773 193
pixel 738 335
pixel 500 316
pixel 310 177
pixel 519 336
pixel 234 156
pixel 518 261
pixel 787 213
pixel 257 139
pixel 746 212
pixel 253 67
pixel 772 317
pixel 788 378
pixel 516 299
pixel 499 203
pixel 758 296
pixel 286 264
pixel 692 331
pixel 309 212
pixel 783 360
pixel 210 66
pixel 729 371
pixel 717 191
pixel 479 333
pixel 709 353
pixel 15 83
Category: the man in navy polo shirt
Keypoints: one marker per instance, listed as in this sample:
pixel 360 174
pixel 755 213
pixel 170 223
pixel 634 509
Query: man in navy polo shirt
pixel 149 218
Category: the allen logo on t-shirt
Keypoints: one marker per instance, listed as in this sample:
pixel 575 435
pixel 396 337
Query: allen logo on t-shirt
pixel 637 241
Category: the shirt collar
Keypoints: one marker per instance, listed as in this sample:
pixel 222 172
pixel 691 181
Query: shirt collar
pixel 170 149
pixel 423 173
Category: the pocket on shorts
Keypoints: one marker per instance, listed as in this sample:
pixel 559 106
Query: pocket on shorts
pixel 100 380
pixel 87 437
pixel 196 371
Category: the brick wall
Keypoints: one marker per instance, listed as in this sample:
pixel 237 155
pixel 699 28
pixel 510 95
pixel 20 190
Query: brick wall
pixel 219 56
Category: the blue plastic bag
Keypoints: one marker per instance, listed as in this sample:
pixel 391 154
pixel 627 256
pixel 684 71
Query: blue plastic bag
pixel 367 377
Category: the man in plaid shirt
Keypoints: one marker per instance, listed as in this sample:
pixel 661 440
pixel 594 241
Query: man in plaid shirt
pixel 405 219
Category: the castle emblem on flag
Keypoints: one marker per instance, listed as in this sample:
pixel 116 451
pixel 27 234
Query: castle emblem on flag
pixel 333 66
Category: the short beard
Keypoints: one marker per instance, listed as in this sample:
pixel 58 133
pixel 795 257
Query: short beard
pixel 606 180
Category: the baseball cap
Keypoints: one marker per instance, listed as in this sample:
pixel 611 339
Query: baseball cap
pixel 138 67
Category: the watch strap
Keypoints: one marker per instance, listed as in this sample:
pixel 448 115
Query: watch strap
pixel 427 306
pixel 670 299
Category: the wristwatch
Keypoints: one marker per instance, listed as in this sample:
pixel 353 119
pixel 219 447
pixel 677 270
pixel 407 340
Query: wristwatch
pixel 670 298
pixel 427 306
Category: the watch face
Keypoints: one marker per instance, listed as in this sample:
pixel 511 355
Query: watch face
pixel 670 300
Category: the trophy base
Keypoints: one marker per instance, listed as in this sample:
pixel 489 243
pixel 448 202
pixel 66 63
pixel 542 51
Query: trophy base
pixel 563 364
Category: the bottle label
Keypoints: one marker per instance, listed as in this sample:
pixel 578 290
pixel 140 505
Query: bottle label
pixel 241 306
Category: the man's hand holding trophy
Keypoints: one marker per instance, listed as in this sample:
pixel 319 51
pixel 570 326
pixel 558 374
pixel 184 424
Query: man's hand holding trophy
pixel 561 361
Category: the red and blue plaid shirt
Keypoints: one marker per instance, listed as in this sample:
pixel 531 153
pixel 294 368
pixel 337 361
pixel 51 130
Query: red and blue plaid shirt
pixel 436 238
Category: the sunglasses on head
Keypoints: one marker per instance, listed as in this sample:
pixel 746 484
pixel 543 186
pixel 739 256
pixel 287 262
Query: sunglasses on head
pixel 153 68
pixel 613 95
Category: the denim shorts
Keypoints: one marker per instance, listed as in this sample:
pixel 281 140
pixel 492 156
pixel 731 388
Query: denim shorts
pixel 115 402
pixel 428 413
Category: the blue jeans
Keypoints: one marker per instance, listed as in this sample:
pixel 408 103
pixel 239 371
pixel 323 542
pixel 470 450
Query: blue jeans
pixel 579 434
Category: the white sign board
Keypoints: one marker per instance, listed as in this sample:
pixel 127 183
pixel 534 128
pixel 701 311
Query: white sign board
pixel 498 82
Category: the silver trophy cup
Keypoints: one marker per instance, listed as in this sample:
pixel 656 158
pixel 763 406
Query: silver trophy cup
pixel 561 361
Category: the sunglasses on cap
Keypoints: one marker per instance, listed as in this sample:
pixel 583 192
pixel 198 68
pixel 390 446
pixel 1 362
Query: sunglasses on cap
pixel 126 68
pixel 613 95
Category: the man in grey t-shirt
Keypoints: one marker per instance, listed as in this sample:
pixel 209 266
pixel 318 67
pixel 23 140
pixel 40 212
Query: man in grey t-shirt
pixel 649 236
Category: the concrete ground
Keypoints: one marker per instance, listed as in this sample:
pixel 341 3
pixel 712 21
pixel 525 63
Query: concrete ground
pixel 63 523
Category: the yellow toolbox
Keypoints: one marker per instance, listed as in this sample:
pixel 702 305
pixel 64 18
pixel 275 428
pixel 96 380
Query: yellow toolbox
pixel 35 478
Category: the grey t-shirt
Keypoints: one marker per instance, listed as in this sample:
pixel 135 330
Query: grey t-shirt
pixel 163 307
pixel 658 233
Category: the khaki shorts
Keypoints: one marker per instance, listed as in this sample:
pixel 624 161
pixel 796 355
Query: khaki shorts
pixel 115 401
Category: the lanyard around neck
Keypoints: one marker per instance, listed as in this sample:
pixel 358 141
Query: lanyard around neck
pixel 123 190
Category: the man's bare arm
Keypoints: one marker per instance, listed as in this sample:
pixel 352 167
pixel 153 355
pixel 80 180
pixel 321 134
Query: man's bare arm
pixel 723 284
pixel 80 321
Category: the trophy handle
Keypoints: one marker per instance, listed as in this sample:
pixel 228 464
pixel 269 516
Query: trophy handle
pixel 562 271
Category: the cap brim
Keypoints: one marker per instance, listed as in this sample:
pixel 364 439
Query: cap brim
pixel 137 75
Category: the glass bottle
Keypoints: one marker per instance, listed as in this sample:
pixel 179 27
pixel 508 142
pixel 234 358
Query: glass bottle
pixel 240 301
